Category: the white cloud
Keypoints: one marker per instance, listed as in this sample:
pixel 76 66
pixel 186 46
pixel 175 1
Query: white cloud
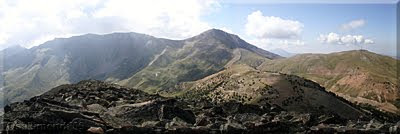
pixel 354 24
pixel 348 39
pixel 369 41
pixel 166 18
pixel 329 38
pixel 270 32
pixel 272 27
pixel 28 23
pixel 334 38
pixel 3 38
pixel 292 42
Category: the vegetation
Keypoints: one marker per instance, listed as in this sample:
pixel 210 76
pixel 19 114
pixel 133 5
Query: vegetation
pixel 130 59
pixel 351 74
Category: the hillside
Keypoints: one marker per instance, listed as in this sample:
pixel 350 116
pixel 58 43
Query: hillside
pixel 200 56
pixel 247 85
pixel 68 60
pixel 359 76
pixel 130 59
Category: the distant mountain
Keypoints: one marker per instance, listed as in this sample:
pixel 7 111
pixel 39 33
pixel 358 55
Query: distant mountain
pixel 282 52
pixel 359 76
pixel 130 59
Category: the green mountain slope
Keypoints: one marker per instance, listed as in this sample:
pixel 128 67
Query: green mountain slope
pixel 200 56
pixel 32 71
pixel 131 59
pixel 359 76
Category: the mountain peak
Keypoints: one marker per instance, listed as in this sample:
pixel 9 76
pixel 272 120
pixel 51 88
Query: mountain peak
pixel 217 33
pixel 15 47
pixel 232 41
pixel 356 51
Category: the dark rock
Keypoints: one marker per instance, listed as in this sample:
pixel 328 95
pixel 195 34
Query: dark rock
pixel 236 107
pixel 384 128
pixel 170 112
pixel 153 124
pixel 137 115
pixel 82 125
pixel 247 117
pixel 113 121
pixel 97 107
pixel 303 119
pixel 96 130
pixel 202 121
pixel 176 123
pixel 330 119
pixel 214 111
pixel 232 127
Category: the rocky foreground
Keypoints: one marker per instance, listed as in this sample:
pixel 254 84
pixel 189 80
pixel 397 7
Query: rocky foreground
pixel 97 107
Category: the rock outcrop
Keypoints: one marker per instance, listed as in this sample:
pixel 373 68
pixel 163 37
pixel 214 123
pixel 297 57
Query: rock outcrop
pixel 96 107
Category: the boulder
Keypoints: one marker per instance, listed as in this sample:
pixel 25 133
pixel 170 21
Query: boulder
pixel 232 127
pixel 153 124
pixel 96 108
pixel 176 123
pixel 170 112
pixel 82 125
pixel 95 130
pixel 202 121
pixel 247 117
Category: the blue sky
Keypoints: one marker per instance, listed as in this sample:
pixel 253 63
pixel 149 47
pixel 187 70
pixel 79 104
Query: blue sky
pixel 306 26
pixel 380 23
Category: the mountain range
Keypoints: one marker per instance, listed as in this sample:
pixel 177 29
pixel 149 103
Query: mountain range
pixel 174 68
pixel 130 59
pixel 215 70
pixel 359 76
pixel 282 52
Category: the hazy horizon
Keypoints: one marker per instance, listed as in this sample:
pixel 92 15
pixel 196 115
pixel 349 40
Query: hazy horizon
pixel 272 50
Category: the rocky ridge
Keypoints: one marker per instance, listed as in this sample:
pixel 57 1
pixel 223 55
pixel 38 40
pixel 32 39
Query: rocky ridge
pixel 95 107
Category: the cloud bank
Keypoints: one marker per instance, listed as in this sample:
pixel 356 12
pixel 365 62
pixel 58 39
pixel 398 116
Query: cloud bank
pixel 272 27
pixel 334 38
pixel 27 23
pixel 270 32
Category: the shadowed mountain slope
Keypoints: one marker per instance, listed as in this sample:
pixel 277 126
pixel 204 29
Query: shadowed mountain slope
pixel 248 85
pixel 130 59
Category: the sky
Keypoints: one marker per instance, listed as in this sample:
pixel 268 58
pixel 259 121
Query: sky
pixel 308 26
